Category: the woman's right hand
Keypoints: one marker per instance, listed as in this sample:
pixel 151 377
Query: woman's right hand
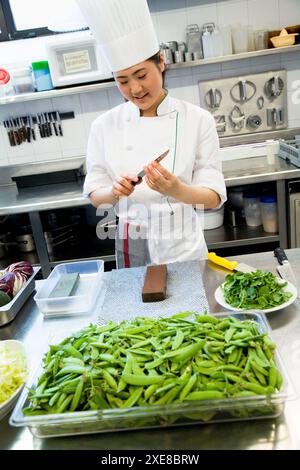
pixel 123 186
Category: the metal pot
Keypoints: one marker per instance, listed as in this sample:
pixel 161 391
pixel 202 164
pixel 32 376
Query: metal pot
pixel 25 243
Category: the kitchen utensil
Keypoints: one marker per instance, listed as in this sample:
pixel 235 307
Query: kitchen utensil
pixel 219 296
pixel 179 57
pixel 193 39
pixel 284 268
pixel 188 56
pixel 284 39
pixel 230 265
pixel 142 173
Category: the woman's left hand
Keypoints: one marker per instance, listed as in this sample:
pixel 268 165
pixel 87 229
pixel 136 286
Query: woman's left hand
pixel 161 180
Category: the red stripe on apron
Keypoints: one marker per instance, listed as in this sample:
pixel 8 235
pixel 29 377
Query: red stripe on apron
pixel 126 247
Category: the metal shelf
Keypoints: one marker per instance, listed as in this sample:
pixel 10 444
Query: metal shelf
pixel 227 236
pixel 111 83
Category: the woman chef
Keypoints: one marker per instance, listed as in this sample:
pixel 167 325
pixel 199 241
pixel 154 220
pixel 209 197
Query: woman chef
pixel 157 220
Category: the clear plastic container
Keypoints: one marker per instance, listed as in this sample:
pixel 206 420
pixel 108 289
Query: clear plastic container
pixel 269 213
pixel 87 289
pixel 175 414
pixel 22 80
pixel 252 209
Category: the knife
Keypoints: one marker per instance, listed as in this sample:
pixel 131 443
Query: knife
pixel 284 268
pixel 142 173
pixel 230 265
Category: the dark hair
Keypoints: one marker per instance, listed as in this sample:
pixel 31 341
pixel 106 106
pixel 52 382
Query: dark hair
pixel 156 60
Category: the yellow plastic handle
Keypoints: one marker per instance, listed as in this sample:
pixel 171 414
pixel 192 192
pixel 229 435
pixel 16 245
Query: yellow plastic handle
pixel 231 265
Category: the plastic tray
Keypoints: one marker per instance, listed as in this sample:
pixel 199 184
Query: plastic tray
pixel 86 293
pixel 9 311
pixel 201 412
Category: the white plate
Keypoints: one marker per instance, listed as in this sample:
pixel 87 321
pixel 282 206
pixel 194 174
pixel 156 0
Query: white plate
pixel 16 346
pixel 219 296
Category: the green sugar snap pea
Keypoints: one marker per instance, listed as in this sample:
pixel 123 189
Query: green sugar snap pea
pixel 146 361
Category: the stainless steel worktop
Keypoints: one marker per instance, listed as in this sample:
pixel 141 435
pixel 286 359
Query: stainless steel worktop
pixel 56 196
pixel 258 170
pixel 280 433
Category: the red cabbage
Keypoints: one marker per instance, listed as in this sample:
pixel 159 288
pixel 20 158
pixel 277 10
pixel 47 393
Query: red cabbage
pixel 23 267
pixel 7 282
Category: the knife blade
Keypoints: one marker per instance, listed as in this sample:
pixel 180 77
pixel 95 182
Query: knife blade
pixel 284 268
pixel 142 173
pixel 230 265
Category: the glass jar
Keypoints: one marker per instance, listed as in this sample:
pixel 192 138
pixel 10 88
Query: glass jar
pixel 269 213
pixel 22 80
pixel 252 209
pixel 42 76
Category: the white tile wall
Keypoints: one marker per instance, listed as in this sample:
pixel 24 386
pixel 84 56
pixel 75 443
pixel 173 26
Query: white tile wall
pixel 289 12
pixel 232 12
pixel 268 17
pixel 170 19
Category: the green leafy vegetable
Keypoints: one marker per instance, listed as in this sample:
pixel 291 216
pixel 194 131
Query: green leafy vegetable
pixel 256 290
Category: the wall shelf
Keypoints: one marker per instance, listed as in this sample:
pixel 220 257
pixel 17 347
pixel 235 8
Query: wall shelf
pixel 227 236
pixel 110 84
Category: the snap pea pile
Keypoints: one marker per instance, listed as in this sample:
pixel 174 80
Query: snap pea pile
pixel 150 361
pixel 256 290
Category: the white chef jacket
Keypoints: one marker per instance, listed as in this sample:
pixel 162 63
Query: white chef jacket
pixel 122 142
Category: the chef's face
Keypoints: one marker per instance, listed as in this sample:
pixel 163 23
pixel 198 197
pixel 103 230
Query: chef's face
pixel 142 84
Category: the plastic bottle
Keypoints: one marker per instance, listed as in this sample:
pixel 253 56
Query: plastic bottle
pixel 269 213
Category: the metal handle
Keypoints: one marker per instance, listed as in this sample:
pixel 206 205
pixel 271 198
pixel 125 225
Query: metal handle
pixel 243 90
pixel 280 255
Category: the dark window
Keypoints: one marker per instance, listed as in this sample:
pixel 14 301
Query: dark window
pixel 21 19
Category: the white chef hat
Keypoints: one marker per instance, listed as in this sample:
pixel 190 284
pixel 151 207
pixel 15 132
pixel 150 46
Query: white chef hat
pixel 123 29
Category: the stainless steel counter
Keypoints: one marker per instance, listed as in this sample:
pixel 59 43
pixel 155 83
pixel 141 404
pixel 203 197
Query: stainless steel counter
pixel 280 433
pixel 56 196
pixel 40 198
pixel 258 170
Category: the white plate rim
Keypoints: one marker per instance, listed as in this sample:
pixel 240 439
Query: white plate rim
pixel 219 297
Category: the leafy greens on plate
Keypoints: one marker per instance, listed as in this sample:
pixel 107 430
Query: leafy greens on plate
pixel 256 290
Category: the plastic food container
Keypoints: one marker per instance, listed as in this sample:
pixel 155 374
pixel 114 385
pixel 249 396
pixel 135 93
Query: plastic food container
pixel 212 218
pixel 42 76
pixel 85 295
pixel 175 414
pixel 22 81
pixel 252 209
pixel 269 213
pixel 9 311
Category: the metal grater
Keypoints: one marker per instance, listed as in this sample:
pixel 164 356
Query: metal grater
pixel 290 150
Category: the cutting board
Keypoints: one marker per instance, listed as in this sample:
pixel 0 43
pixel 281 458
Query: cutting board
pixel 123 298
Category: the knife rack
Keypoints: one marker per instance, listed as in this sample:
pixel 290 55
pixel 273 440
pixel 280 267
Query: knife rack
pixel 53 114
pixel 21 129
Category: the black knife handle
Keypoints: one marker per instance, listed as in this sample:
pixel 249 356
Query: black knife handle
pixel 280 255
